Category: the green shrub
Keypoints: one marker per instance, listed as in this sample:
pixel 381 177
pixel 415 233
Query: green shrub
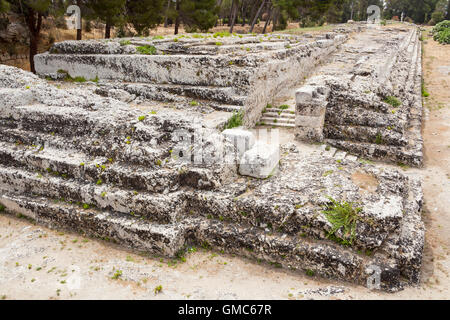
pixel 393 101
pixel 441 32
pixel 147 49
pixel 342 215
pixel 235 121
pixel 444 37
pixel 424 90
pixel 125 42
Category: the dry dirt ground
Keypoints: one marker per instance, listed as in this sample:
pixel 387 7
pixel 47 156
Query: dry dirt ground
pixel 38 263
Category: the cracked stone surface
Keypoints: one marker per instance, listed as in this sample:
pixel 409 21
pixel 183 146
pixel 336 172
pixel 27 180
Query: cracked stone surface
pixel 74 159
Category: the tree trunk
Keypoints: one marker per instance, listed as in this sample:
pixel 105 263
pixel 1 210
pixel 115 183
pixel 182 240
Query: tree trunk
pixel 257 15
pixel 234 9
pixel 107 30
pixel 219 5
pixel 33 50
pixel 177 20
pixel 79 31
pixel 269 17
pixel 448 11
pixel 34 27
pixel 166 18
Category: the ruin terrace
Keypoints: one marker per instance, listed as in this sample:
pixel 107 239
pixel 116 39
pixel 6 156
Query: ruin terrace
pixel 93 145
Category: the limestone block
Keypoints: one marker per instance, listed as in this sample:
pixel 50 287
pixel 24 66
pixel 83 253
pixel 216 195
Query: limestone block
pixel 243 140
pixel 260 161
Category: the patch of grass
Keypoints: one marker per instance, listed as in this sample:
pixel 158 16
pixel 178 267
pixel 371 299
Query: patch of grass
pixel 235 121
pixel 2 208
pixel 141 118
pixel 379 139
pixel 147 50
pixel 393 101
pixel 222 34
pixel 193 103
pixel 402 165
pixel 283 107
pixel 424 90
pixel 158 37
pixel 327 173
pixel 342 215
pixel 117 275
pixel 158 289
pixel 125 42
pixel 310 273
pixel 218 43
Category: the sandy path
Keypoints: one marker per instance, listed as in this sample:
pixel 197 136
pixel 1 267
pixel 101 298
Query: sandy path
pixel 38 263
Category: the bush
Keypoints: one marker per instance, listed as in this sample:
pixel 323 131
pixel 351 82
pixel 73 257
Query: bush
pixel 441 26
pixel 150 50
pixel 60 23
pixel 436 17
pixel 444 37
pixel 441 32
pixel 88 26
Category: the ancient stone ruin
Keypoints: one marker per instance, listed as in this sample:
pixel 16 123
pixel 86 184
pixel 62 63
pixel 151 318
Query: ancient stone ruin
pixel 142 151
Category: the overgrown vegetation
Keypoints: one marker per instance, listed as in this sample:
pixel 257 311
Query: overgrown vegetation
pixel 236 120
pixel 441 32
pixel 424 90
pixel 342 216
pixel 393 101
pixel 147 49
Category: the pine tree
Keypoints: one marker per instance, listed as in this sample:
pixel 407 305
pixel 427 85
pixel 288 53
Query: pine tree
pixel 111 12
pixel 198 14
pixel 4 6
pixel 144 14
pixel 33 12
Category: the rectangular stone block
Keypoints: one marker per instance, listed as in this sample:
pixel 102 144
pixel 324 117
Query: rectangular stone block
pixel 260 161
pixel 307 121
pixel 243 140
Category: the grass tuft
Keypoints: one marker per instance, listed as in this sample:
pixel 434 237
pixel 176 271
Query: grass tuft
pixel 342 215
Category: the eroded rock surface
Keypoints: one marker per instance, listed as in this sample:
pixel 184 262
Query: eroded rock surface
pixel 74 159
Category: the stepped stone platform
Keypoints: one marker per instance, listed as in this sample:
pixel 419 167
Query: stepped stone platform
pixel 226 72
pixel 162 181
pixel 367 98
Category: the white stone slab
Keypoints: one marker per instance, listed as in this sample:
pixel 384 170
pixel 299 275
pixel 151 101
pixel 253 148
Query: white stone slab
pixel 242 139
pixel 260 161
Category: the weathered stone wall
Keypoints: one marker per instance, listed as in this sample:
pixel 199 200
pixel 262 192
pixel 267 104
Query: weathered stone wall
pixel 72 159
pixel 373 102
pixel 255 67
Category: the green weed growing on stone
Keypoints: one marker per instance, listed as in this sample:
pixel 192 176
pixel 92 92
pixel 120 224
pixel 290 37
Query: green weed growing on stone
pixel 235 121
pixel 158 289
pixel 125 42
pixel 342 215
pixel 147 49
pixel 393 101
pixel 117 275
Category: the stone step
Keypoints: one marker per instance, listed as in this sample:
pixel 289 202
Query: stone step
pixel 172 93
pixel 284 125
pixel 274 120
pixel 279 115
pixel 283 111
pixel 164 239
pixel 322 258
pixel 72 164
pixel 373 151
pixel 163 208
pixel 110 148
pixel 382 136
